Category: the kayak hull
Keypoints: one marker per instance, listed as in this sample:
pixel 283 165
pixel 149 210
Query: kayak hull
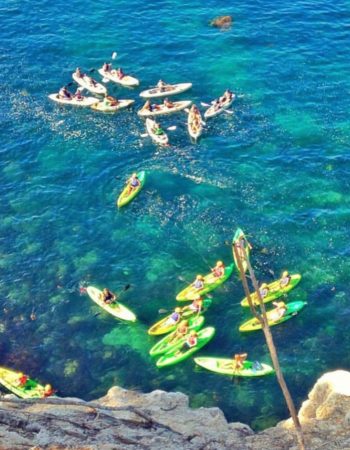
pixel 127 80
pixel 170 89
pixel 162 109
pixel 161 139
pixel 292 310
pixel 125 198
pixel 212 112
pixel 223 366
pixel 239 235
pixel 86 101
pixel 117 310
pixel 84 82
pixel 112 109
pixel 165 345
pixel 210 283
pixel 9 379
pixel 274 291
pixel 176 355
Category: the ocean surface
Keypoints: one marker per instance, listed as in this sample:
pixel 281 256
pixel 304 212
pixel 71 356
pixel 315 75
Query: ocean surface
pixel 278 167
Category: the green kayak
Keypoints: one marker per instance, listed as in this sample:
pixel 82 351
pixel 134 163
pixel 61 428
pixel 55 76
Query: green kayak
pixel 177 355
pixel 126 196
pixel 31 389
pixel 224 367
pixel 210 283
pixel 164 345
pixel 274 290
pixel 240 236
pixel 292 310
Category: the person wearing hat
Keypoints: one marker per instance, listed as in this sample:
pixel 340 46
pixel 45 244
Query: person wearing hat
pixel 48 391
pixel 199 282
pixel 107 296
pixel 180 332
pixel 264 290
pixel 191 341
pixel 196 306
pixel 284 281
pixel 174 318
pixel 278 312
pixel 219 269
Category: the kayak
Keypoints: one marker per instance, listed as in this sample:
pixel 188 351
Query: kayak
pixel 162 109
pixel 236 239
pixel 210 283
pixel 125 197
pixel 194 131
pixel 85 101
pixel 161 139
pixel 177 355
pixel 100 106
pixel 126 80
pixel 169 89
pixel 213 111
pixel 274 290
pixel 9 379
pixel 292 310
pixel 163 326
pixel 116 309
pixel 224 367
pixel 165 346
pixel 90 84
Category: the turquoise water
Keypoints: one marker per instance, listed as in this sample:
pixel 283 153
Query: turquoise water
pixel 278 168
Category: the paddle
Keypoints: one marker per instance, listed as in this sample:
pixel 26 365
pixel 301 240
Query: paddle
pixel 228 111
pixel 114 55
pixel 125 288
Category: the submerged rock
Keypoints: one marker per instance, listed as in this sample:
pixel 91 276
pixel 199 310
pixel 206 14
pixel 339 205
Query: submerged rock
pixel 222 22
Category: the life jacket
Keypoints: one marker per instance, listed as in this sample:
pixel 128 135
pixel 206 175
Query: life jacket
pixel 191 341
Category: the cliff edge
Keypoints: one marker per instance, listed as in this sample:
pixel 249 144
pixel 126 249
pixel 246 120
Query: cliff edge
pixel 159 420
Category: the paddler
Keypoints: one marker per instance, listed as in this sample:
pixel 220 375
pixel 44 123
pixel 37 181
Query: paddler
pixel 174 318
pixel 180 332
pixel 22 380
pixel 120 74
pixel 284 281
pixel 191 341
pixel 79 73
pixel 78 95
pixel 196 306
pixel 157 129
pixel 167 103
pixel 161 85
pixel 107 296
pixel 64 93
pixel 48 391
pixel 107 67
pixel 219 270
pixel 199 282
pixel 264 290
pixel 133 182
pixel 238 360
pixel 108 100
pixel 278 312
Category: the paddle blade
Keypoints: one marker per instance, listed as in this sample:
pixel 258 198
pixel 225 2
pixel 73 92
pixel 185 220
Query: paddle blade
pixel 105 80
pixel 172 128
pixel 228 111
pixel 127 287
pixel 162 311
pixel 114 55
pixel 144 135
pixel 205 104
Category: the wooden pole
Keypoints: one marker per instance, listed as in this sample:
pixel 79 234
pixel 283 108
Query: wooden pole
pixel 262 318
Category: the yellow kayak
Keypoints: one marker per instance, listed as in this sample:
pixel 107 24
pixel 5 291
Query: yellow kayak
pixel 31 389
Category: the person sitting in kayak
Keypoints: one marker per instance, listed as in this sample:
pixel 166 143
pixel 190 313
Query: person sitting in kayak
pixel 92 82
pixel 79 73
pixel 120 74
pixel 216 104
pixel 238 361
pixel 199 282
pixel 110 101
pixel 191 341
pixel 167 103
pixel 264 290
pixel 180 332
pixel 78 95
pixel 240 245
pixel 133 182
pixel 107 67
pixel 161 85
pixel 48 391
pixel 284 281
pixel 226 97
pixel 64 93
pixel 196 306
pixel 107 296
pixel 174 318
pixel 157 129
pixel 278 312
pixel 219 269
pixel 22 380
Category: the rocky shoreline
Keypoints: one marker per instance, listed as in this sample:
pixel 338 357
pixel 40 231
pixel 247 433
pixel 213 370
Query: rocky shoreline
pixel 159 420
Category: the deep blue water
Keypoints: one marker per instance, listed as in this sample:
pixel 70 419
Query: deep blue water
pixel 278 168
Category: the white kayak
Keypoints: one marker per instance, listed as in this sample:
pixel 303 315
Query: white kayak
pixel 90 84
pixel 162 109
pixel 85 101
pixel 116 309
pixel 165 91
pixel 195 127
pixel 214 111
pixel 101 106
pixel 161 139
pixel 126 80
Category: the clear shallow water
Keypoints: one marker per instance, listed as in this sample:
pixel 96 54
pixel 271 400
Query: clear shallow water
pixel 279 168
